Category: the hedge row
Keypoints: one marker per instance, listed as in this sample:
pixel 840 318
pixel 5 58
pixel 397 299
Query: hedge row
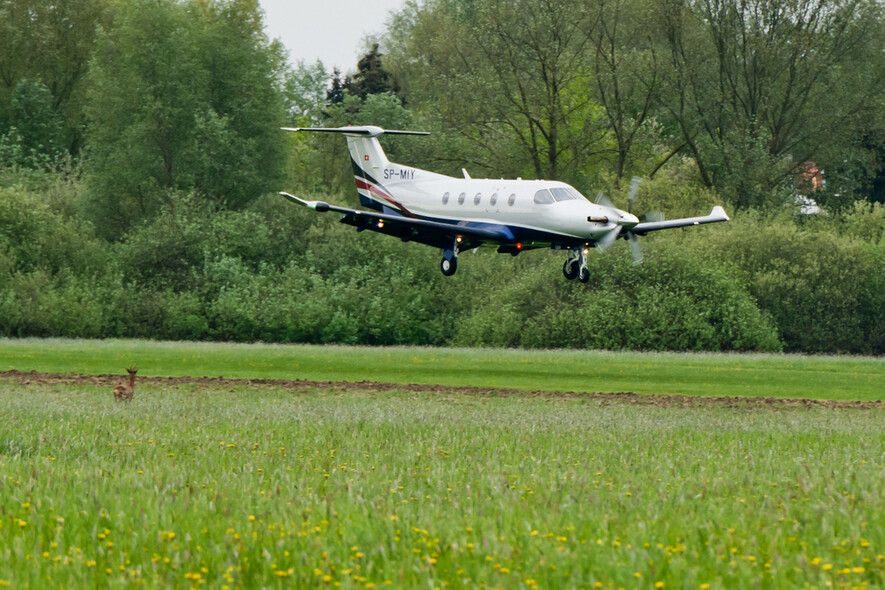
pixel 278 273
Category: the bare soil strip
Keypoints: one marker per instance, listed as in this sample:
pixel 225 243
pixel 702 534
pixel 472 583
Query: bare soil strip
pixel 35 378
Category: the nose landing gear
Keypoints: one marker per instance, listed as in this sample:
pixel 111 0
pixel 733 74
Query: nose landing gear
pixel 576 265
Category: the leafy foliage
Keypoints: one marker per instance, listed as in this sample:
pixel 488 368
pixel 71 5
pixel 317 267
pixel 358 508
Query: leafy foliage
pixel 164 228
pixel 183 96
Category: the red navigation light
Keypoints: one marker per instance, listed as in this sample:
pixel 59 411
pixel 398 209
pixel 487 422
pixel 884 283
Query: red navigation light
pixel 518 246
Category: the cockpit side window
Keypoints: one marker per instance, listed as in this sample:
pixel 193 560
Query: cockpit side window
pixel 543 197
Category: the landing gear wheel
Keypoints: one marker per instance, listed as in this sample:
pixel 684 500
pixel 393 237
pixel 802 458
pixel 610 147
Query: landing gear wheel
pixel 584 275
pixel 570 269
pixel 448 266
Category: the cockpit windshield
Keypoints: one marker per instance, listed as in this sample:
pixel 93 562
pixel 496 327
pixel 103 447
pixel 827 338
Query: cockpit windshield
pixel 566 194
pixel 558 194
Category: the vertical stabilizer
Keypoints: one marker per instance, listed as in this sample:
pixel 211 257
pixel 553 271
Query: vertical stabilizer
pixel 368 160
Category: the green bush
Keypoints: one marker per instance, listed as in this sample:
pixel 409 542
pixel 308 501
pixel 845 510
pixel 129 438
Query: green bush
pixel 824 288
pixel 673 301
pixel 279 273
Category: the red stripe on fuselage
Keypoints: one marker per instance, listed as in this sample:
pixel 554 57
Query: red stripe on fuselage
pixel 361 183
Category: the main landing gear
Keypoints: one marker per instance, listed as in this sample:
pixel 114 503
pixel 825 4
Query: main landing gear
pixel 576 265
pixel 449 263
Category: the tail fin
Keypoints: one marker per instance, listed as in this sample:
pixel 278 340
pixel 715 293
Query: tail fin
pixel 366 155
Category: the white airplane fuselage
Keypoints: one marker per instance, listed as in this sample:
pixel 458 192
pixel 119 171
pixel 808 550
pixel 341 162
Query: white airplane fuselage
pixel 512 204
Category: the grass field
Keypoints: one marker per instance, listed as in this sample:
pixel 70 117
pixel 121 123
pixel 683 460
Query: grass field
pixel 219 487
pixel 843 378
pixel 222 485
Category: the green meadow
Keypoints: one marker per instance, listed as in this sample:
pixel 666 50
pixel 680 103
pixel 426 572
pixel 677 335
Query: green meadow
pixel 239 486
pixel 751 375
pixel 230 487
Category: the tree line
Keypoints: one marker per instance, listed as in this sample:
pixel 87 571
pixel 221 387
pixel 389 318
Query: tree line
pixel 140 150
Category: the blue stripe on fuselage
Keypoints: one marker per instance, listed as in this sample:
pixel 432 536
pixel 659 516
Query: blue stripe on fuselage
pixel 508 233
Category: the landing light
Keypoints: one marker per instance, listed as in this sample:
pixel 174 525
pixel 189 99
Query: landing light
pixel 458 239
pixel 586 251
pixel 380 224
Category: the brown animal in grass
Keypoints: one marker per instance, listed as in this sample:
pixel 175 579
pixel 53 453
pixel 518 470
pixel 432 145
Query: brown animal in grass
pixel 123 392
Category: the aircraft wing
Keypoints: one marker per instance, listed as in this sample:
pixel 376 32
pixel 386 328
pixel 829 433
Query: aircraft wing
pixel 425 231
pixel 717 214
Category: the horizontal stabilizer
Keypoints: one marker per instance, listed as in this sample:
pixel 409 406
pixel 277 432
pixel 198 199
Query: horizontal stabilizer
pixel 367 130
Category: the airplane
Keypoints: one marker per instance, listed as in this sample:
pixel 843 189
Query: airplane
pixel 460 214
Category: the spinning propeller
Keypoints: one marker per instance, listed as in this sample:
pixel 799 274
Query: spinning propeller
pixel 613 234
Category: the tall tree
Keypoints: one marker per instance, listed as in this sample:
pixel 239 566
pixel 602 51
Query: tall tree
pixel 183 96
pixel 50 43
pixel 371 77
pixel 307 86
pixel 627 76
pixel 758 87
pixel 512 77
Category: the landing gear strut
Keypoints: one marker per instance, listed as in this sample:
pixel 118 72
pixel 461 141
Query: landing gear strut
pixel 570 268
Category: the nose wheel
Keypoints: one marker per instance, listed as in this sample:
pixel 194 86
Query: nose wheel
pixel 575 266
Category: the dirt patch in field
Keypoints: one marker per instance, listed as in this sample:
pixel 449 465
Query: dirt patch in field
pixel 35 378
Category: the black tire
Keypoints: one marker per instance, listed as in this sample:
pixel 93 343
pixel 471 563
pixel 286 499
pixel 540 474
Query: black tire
pixel 570 269
pixel 448 266
pixel 584 275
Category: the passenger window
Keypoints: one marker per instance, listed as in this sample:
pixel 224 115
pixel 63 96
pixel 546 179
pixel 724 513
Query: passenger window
pixel 461 198
pixel 446 199
pixel 562 194
pixel 511 200
pixel 543 197
pixel 494 199
pixel 477 198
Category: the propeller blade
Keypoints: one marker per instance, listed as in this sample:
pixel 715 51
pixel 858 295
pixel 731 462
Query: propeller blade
pixel 635 250
pixel 634 188
pixel 601 199
pixel 606 240
pixel 651 216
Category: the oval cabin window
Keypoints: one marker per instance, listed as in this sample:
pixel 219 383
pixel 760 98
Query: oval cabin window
pixel 446 199
pixel 461 198
pixel 477 198
pixel 494 199
pixel 511 200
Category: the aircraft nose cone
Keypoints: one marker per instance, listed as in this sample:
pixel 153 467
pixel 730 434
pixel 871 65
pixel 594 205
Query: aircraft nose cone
pixel 629 219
